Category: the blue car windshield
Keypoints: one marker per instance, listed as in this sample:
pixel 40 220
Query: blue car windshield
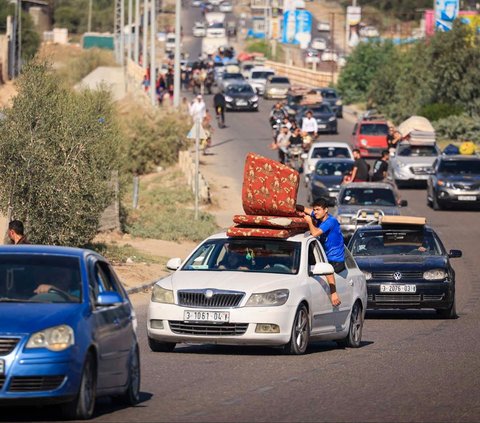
pixel 395 242
pixel 460 167
pixel 39 278
pixel 328 152
pixel 246 255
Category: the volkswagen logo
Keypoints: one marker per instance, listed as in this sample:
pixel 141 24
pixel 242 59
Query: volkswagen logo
pixel 397 276
pixel 208 293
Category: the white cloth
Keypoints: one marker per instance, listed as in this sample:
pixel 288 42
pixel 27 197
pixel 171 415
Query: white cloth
pixel 309 125
pixel 198 110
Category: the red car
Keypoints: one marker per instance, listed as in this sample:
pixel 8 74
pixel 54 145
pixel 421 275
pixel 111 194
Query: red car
pixel 370 137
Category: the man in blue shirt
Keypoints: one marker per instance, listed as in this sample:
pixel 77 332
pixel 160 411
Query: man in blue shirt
pixel 327 229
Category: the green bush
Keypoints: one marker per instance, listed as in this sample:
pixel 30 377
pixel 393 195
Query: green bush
pixel 57 152
pixel 462 127
pixel 437 111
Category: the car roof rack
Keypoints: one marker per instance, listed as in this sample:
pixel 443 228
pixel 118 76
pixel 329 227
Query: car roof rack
pixel 403 220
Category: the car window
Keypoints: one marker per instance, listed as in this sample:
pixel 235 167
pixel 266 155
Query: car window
pixel 355 127
pixel 233 76
pixel 234 89
pixel 279 80
pixel 463 167
pixel 330 152
pixel 333 168
pixel 395 242
pixel 417 151
pixel 329 94
pixel 374 129
pixel 105 279
pixel 324 108
pixel 314 254
pixel 261 74
pixel 368 197
pixel 246 255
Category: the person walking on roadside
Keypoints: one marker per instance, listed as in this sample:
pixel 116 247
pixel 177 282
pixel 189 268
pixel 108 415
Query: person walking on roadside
pixel 360 167
pixel 380 167
pixel 16 232
pixel 198 109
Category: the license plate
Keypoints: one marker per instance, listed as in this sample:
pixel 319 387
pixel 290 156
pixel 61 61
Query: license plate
pixel 398 288
pixel 2 367
pixel 467 198
pixel 242 103
pixel 322 126
pixel 206 316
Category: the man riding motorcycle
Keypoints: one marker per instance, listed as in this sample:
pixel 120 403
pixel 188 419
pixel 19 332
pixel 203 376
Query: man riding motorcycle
pixel 219 104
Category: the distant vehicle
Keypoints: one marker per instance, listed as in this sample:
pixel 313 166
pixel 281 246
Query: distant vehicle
pixel 170 42
pixel 326 118
pixel 258 78
pixel 199 29
pixel 361 203
pixel 214 17
pixel 330 96
pixel 246 67
pixel 455 181
pixel 225 7
pixel 406 265
pixel 241 96
pixel 323 26
pixel 326 179
pixel 329 56
pixel 370 137
pixel 196 3
pixel 214 2
pixel 276 87
pixel 230 78
pixel 318 44
pixel 369 31
pixel 210 46
pixel 342 60
pixel 68 331
pixel 216 30
pixel 312 56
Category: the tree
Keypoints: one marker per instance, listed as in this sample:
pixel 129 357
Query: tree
pixel 57 151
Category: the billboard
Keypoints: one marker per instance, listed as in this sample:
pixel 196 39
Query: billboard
pixel 446 11
pixel 354 16
pixel 297 27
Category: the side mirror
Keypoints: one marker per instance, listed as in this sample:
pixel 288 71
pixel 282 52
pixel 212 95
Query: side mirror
pixel 323 269
pixel 403 203
pixel 455 253
pixel 108 298
pixel 174 263
pixel 304 156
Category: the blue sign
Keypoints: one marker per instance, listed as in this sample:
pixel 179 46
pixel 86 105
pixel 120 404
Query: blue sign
pixel 446 11
pixel 297 27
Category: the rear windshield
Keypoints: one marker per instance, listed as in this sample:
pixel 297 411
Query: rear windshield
pixel 279 80
pixel 368 197
pixel 261 74
pixel 464 167
pixel 326 152
pixel 324 108
pixel 417 151
pixel 333 168
pixel 233 89
pixel 329 94
pixel 374 129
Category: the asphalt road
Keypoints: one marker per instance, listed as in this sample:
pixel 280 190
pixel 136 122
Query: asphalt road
pixel 411 366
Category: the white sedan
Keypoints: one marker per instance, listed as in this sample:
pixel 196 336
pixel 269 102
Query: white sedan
pixel 225 7
pixel 199 29
pixel 256 291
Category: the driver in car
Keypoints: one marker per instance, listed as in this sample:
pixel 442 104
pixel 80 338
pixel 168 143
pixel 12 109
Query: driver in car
pixel 62 280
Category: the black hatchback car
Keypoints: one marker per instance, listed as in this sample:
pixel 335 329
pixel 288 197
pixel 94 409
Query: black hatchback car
pixel 241 96
pixel 331 97
pixel 455 182
pixel 406 265
pixel 326 118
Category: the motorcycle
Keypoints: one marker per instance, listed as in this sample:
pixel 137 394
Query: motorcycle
pixel 276 126
pixel 294 157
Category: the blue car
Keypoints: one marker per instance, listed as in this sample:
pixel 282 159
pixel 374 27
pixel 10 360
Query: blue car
pixel 67 331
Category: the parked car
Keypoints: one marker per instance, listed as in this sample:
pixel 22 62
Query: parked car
pixel 276 295
pixel 312 56
pixel 241 96
pixel 360 203
pixel 406 265
pixel 199 29
pixel 230 78
pixel 318 43
pixel 370 137
pixel 331 97
pixel 68 331
pixel 276 87
pixel 225 7
pixel 325 150
pixel 258 78
pixel 455 182
pixel 326 179
pixel 412 163
pixel 196 3
pixel 323 26
pixel 326 119
pixel 329 56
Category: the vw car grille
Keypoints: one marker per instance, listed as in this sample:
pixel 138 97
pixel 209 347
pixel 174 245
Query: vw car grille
pixel 208 329
pixel 210 298
pixel 388 276
pixel 7 345
pixel 400 298
pixel 35 383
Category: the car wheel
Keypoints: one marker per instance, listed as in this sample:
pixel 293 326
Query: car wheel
pixel 132 395
pixel 82 406
pixel 157 346
pixel 354 336
pixel 398 183
pixel 448 313
pixel 435 204
pixel 300 333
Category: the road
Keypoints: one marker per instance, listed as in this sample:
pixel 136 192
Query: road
pixel 411 366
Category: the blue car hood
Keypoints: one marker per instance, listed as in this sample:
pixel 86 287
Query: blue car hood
pixel 412 263
pixel 329 181
pixel 459 178
pixel 31 317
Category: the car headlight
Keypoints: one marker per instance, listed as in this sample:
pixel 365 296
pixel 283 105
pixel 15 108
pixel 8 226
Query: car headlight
pixel 368 275
pixel 364 142
pixel 332 118
pixel 434 274
pixel 254 98
pixel 268 299
pixel 227 98
pixel 401 164
pixel 445 184
pixel 318 184
pixel 57 338
pixel 162 295
pixel 311 168
pixel 338 102
pixel 344 219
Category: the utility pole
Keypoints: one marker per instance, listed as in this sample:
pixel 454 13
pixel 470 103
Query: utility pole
pixel 145 33
pixel 176 76
pixel 122 33
pixel 130 17
pixel 19 65
pixel 137 32
pixel 153 70
pixel 89 25
pixel 334 63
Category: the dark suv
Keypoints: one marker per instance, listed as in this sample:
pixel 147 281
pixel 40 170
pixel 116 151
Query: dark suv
pixel 456 181
pixel 331 97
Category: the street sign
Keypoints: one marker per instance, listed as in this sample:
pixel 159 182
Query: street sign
pixel 446 11
pixel 192 134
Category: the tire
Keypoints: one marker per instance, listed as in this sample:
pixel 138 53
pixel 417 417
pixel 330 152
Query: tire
pixel 354 336
pixel 435 204
pixel 132 394
pixel 398 183
pixel 448 313
pixel 157 346
pixel 82 406
pixel 300 333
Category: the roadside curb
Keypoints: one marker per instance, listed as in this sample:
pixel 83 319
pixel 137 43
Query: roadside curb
pixel 140 288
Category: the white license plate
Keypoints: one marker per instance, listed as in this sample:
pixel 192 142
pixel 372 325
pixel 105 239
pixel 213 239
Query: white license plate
pixel 467 198
pixel 322 126
pixel 206 316
pixel 2 367
pixel 398 288
pixel 242 103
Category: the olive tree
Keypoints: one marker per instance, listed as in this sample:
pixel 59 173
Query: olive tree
pixel 57 152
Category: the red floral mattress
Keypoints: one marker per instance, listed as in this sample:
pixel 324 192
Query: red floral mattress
pixel 261 232
pixel 270 221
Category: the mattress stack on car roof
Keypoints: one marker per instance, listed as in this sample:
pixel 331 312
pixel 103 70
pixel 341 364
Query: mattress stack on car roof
pixel 269 197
